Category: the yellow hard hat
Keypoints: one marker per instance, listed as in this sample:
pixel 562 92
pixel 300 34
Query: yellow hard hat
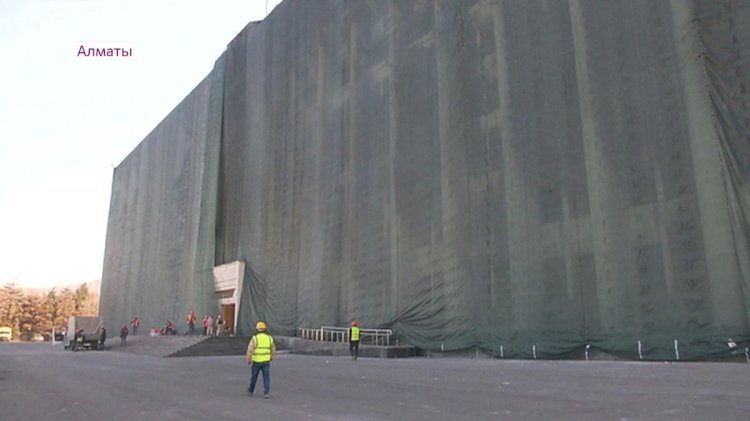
pixel 260 326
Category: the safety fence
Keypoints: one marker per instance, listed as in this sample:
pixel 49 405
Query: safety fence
pixel 379 337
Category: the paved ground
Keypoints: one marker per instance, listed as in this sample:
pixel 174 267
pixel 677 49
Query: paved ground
pixel 42 382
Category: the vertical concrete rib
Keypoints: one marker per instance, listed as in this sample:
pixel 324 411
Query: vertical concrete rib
pixel 514 184
pixel 350 174
pixel 662 223
pixel 392 211
pixel 721 261
pixel 596 175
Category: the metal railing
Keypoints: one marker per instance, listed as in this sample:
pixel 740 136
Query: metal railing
pixel 378 337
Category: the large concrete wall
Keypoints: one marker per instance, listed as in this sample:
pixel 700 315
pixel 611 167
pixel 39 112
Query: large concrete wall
pixel 159 253
pixel 496 174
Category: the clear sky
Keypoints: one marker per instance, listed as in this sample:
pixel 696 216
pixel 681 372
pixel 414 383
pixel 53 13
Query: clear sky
pixel 66 120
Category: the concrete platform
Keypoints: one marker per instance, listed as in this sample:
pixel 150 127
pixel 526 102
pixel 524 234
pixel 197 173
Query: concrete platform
pixel 306 347
pixel 197 346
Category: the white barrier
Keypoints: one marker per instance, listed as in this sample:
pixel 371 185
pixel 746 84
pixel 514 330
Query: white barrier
pixel 379 337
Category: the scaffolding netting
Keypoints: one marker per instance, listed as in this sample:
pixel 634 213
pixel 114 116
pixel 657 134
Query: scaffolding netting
pixel 523 178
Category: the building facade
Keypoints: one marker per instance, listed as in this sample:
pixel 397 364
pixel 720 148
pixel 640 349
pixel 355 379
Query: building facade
pixel 523 178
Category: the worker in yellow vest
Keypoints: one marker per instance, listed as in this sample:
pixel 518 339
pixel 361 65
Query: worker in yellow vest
pixel 354 340
pixel 260 351
pixel 78 340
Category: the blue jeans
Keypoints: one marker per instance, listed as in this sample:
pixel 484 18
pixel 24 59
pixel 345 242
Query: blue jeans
pixel 256 368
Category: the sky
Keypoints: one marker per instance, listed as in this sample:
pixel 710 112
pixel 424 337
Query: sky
pixel 66 120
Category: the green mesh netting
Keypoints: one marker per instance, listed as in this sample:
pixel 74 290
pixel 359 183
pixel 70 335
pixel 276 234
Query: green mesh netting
pixel 530 177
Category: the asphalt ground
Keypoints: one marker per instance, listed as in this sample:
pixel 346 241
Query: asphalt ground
pixel 44 382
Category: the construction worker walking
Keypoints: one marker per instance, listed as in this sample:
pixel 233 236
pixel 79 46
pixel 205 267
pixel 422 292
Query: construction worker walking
pixel 260 352
pixel 354 340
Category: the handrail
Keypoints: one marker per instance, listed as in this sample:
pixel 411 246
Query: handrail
pixel 378 337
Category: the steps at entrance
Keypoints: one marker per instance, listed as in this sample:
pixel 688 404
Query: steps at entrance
pixel 157 346
pixel 216 345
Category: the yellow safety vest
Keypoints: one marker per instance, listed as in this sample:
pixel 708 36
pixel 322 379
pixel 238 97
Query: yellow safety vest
pixel 262 344
pixel 355 333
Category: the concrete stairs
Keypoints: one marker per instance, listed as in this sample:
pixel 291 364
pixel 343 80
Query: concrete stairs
pixel 157 346
pixel 216 345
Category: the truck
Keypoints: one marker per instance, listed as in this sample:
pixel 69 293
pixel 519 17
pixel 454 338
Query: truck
pixel 6 334
pixel 90 327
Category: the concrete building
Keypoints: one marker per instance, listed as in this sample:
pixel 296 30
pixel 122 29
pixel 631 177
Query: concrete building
pixel 523 178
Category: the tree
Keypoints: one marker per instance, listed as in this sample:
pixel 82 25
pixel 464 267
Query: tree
pixel 29 315
pixel 11 307
pixel 66 305
pixel 45 313
pixel 81 296
pixel 27 318
pixel 86 303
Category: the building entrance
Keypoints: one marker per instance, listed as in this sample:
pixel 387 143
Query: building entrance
pixel 228 280
pixel 227 313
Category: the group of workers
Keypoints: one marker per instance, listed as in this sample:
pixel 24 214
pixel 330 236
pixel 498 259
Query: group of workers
pixel 261 350
pixel 79 339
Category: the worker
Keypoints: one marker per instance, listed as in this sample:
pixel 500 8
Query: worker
pixel 136 324
pixel 219 325
pixel 191 318
pixel 260 352
pixel 78 340
pixel 354 340
pixel 102 338
pixel 124 335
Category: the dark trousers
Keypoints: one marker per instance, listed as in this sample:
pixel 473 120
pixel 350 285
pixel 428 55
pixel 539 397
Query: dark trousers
pixel 354 349
pixel 266 369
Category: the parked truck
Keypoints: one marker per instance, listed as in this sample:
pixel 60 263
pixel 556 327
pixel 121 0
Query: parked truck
pixel 6 334
pixel 89 326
